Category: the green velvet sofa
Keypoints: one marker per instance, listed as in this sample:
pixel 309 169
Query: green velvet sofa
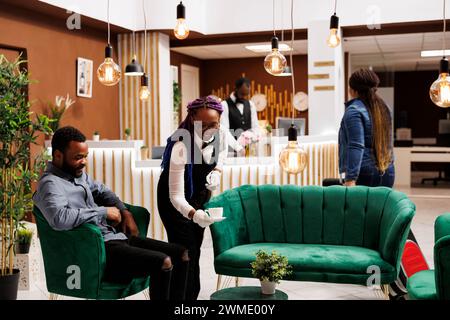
pixel 84 247
pixel 435 284
pixel 329 234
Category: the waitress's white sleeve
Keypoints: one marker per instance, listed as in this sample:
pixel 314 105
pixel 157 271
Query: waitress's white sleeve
pixel 254 117
pixel 223 149
pixel 178 160
pixel 225 125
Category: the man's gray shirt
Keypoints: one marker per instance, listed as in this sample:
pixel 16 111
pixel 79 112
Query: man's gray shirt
pixel 67 202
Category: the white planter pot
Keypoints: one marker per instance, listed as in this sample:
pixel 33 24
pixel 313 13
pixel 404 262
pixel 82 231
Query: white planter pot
pixel 128 138
pixel 268 287
pixel 96 137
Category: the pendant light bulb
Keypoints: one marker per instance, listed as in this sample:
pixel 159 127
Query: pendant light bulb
pixel 293 159
pixel 275 62
pixel 181 30
pixel 144 92
pixel 333 39
pixel 440 89
pixel 108 73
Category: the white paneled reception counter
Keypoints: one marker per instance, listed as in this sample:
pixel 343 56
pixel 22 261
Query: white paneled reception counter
pixel 118 164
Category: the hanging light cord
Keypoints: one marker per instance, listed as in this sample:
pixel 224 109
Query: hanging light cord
pixel 108 24
pixel 282 23
pixel 292 63
pixel 273 16
pixel 145 35
pixel 443 33
pixel 335 6
pixel 134 46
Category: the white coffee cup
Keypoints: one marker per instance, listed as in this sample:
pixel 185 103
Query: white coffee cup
pixel 215 212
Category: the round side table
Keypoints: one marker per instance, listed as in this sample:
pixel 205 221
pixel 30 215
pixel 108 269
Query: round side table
pixel 247 293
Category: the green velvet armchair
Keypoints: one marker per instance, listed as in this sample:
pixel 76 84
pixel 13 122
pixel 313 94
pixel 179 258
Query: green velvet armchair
pixel 329 234
pixel 84 247
pixel 435 284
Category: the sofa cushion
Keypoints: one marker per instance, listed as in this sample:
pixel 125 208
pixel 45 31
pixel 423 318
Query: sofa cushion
pixel 309 257
pixel 422 286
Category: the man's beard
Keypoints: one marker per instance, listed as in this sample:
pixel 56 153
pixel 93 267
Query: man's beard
pixel 74 171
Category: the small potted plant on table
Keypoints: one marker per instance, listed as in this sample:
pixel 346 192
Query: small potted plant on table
pixel 96 136
pixel 128 134
pixel 270 269
pixel 24 237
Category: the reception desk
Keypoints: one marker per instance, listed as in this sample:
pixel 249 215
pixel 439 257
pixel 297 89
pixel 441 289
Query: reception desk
pixel 405 156
pixel 118 164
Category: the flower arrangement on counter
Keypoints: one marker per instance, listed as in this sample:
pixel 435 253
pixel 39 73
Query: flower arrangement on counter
pixel 57 110
pixel 248 140
pixel 248 137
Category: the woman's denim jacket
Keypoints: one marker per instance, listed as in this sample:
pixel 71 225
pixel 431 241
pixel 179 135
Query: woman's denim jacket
pixel 355 140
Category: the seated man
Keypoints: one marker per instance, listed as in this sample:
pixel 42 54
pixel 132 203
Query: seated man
pixel 68 197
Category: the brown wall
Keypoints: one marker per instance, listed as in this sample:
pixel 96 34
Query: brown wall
pixel 52 52
pixel 219 73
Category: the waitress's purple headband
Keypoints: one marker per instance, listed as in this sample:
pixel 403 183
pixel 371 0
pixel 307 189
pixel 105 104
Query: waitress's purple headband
pixel 208 102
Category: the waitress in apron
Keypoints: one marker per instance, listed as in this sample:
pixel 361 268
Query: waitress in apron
pixel 191 169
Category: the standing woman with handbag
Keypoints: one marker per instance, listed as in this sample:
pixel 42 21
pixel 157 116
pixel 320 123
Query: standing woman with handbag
pixel 191 169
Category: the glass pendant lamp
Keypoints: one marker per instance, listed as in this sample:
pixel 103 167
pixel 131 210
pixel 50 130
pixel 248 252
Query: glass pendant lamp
pixel 293 159
pixel 287 70
pixel 108 73
pixel 440 89
pixel 144 91
pixel 181 30
pixel 275 62
pixel 333 39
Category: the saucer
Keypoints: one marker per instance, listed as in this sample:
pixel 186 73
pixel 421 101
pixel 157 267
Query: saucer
pixel 219 219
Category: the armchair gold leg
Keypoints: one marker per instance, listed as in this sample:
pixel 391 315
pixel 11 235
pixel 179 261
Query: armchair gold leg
pixel 227 282
pixel 382 292
pixel 53 296
pixel 385 289
pixel 219 282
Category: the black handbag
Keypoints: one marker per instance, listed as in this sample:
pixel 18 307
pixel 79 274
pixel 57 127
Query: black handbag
pixel 331 182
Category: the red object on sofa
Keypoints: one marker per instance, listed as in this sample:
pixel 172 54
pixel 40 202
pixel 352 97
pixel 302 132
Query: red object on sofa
pixel 413 260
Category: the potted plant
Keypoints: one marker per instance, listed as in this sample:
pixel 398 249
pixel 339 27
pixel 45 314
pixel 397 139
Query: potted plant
pixel 128 134
pixel 18 130
pixel 57 110
pixel 24 237
pixel 144 153
pixel 270 269
pixel 96 136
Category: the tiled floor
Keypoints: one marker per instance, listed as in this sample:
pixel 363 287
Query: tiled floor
pixel 430 203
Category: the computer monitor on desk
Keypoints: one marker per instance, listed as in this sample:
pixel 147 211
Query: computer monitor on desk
pixel 284 123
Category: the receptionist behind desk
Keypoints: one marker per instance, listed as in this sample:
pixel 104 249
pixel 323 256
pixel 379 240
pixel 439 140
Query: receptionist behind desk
pixel 239 114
